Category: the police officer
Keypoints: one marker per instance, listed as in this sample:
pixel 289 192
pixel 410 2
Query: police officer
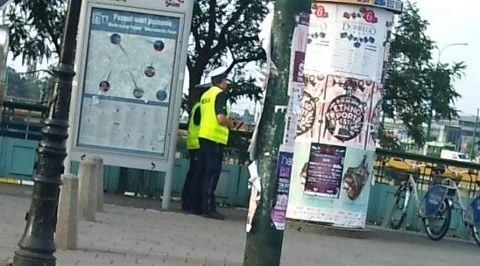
pixel 191 194
pixel 213 137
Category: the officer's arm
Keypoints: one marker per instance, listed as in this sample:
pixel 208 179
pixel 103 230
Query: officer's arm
pixel 221 110
pixel 224 121
pixel 197 117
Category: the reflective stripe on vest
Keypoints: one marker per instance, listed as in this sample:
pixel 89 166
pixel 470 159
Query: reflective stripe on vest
pixel 192 137
pixel 210 128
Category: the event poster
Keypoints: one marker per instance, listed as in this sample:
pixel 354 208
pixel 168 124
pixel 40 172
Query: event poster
pixel 338 110
pixel 347 40
pixel 127 89
pixel 346 112
pixel 323 171
pixel 349 208
pixel 283 171
pixel 296 80
pixel 374 114
pixel 291 117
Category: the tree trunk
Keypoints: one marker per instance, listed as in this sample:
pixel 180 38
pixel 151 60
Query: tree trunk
pixel 264 242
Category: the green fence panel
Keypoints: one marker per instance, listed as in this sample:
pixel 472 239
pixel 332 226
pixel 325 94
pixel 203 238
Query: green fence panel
pixel 381 197
pixel 18 158
pixel 110 176
pixel 242 191
pixel 226 187
pixel 3 157
pixel 180 170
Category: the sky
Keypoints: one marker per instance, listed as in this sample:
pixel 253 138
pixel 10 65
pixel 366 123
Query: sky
pixel 457 22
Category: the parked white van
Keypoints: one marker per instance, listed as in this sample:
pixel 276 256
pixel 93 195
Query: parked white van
pixel 454 155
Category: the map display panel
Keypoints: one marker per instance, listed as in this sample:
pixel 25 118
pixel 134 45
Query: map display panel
pixel 127 87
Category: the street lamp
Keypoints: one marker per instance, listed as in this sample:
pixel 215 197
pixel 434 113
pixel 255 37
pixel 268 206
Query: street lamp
pixel 36 246
pixel 430 115
pixel 446 46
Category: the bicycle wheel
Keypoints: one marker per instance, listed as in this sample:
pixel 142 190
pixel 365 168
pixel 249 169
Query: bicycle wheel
pixel 399 211
pixel 437 225
pixel 476 233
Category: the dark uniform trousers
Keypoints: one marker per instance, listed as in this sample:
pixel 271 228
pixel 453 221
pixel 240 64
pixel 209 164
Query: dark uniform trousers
pixel 191 199
pixel 210 159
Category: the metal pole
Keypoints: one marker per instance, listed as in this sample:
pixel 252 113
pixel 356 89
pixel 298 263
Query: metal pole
pixel 264 243
pixel 36 246
pixel 472 148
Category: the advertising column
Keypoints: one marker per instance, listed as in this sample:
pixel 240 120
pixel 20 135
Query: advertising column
pixel 339 105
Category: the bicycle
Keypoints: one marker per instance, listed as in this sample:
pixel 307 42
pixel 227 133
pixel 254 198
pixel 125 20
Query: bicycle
pixel 448 193
pixel 403 195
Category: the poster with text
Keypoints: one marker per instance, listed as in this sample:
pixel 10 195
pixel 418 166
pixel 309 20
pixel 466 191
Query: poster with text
pixel 374 114
pixel 347 40
pixel 127 88
pixel 346 111
pixel 296 80
pixel 350 207
pixel 312 103
pixel 291 118
pixel 284 169
pixel 338 110
pixel 299 45
pixel 321 33
pixel 323 171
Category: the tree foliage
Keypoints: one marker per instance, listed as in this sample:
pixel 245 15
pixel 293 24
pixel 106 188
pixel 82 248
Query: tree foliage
pixel 223 32
pixel 27 87
pixel 36 28
pixel 417 88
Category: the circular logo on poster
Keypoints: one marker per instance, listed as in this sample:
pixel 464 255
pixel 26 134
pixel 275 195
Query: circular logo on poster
pixel 345 117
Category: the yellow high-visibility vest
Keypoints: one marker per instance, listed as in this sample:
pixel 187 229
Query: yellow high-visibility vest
pixel 192 136
pixel 210 128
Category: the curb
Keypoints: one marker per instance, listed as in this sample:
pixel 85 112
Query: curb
pixel 324 229
pixel 7 180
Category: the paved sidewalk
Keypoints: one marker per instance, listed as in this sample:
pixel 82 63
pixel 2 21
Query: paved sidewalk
pixel 131 236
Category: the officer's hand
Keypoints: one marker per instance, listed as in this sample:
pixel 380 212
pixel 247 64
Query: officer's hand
pixel 232 123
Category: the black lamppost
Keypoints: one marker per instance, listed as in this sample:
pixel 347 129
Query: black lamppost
pixel 36 247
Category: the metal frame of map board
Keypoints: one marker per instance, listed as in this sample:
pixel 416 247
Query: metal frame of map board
pixel 168 101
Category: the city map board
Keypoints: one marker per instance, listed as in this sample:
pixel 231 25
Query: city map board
pixel 127 87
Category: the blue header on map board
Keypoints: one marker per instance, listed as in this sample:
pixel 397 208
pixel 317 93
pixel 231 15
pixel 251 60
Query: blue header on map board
pixel 134 23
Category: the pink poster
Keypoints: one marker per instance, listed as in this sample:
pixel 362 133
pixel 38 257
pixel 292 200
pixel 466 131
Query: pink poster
pixel 338 110
pixel 346 115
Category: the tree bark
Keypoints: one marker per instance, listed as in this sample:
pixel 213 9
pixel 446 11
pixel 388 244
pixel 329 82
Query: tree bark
pixel 264 242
